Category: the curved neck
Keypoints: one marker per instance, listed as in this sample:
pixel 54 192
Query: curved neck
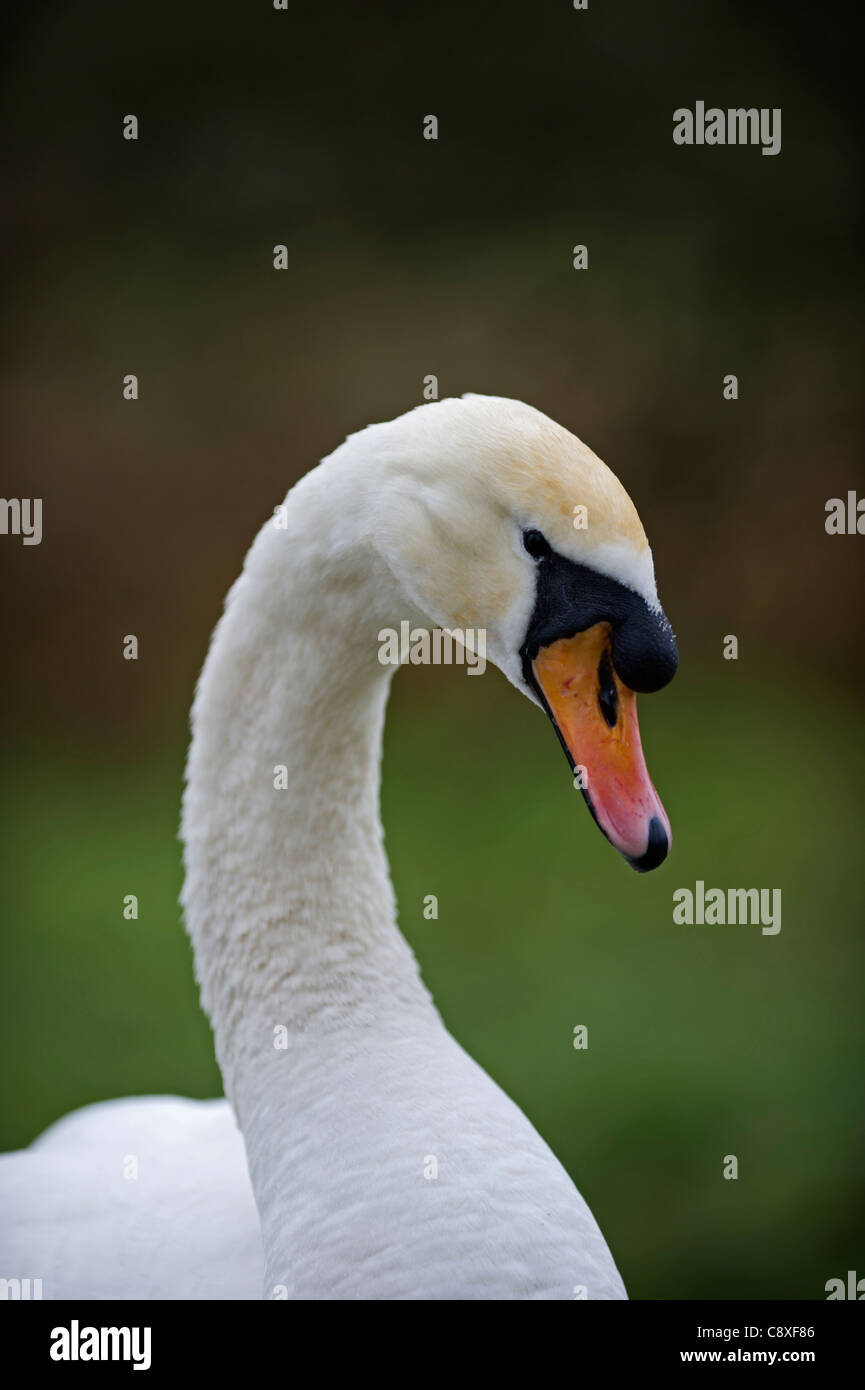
pixel 287 895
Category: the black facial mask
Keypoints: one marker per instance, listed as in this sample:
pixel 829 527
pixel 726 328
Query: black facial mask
pixel 569 598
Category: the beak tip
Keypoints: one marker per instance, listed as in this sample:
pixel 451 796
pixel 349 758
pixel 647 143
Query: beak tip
pixel 657 848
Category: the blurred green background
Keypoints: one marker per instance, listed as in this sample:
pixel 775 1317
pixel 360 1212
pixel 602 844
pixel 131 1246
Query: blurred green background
pixel 410 257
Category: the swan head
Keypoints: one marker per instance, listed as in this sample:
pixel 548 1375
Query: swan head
pixel 492 517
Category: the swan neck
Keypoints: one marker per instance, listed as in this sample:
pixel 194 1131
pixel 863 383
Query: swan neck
pixel 287 895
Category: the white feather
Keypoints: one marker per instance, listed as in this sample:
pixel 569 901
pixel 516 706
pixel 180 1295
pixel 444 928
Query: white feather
pixel 348 1089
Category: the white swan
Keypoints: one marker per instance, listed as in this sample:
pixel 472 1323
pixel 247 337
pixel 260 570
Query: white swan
pixel 459 514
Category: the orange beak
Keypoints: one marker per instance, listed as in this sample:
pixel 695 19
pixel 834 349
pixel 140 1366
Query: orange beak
pixel 595 716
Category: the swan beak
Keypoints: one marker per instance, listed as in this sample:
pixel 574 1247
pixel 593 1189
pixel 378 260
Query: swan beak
pixel 595 717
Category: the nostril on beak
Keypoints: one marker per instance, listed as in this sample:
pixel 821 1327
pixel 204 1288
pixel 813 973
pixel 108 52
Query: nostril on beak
pixel 608 699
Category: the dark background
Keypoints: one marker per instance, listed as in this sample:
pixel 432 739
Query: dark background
pixel 410 257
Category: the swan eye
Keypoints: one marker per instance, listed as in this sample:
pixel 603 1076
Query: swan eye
pixel 537 545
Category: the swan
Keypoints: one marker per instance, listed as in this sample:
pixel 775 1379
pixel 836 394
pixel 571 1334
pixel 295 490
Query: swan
pixel 361 1153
